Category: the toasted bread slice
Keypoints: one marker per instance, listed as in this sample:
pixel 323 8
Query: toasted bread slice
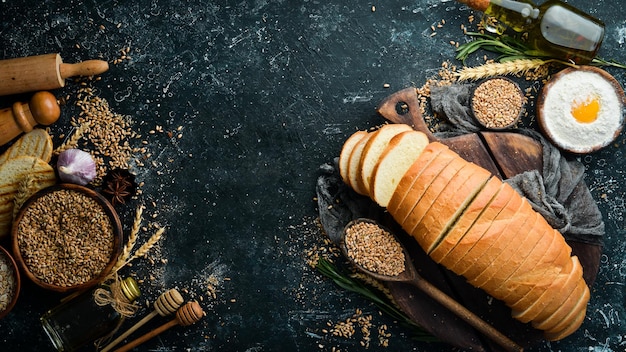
pixel 450 203
pixel 428 155
pixel 401 152
pixel 344 156
pixel 12 172
pixel 375 146
pixel 36 143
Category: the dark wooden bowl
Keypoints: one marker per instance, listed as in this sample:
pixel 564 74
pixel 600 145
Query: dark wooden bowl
pixel 496 101
pixel 109 211
pixel 16 273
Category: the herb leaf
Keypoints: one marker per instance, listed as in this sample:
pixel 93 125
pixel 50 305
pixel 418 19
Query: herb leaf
pixel 511 48
pixel 346 282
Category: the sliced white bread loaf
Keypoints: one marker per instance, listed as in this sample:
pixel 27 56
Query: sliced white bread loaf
pixel 401 152
pixel 344 156
pixel 428 155
pixel 374 147
pixel 483 229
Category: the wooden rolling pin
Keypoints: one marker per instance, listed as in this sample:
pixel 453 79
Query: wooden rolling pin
pixel 43 72
pixel 42 109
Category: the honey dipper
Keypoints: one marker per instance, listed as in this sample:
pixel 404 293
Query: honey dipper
pixel 186 315
pixel 167 303
pixel 43 72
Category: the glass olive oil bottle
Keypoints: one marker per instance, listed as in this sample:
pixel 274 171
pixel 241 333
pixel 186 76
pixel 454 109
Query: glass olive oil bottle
pixel 554 28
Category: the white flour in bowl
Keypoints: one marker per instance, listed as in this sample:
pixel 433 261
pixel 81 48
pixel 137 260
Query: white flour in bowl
pixel 569 90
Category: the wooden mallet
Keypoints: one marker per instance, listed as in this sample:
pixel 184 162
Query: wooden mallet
pixel 42 109
pixel 167 303
pixel 186 315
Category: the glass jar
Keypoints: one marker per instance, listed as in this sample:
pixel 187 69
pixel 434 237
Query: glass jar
pixel 80 320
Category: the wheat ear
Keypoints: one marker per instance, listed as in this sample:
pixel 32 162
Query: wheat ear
pixel 512 67
pixel 132 239
pixel 146 247
pixel 72 142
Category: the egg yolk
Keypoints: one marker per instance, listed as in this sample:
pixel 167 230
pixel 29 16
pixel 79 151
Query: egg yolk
pixel 586 111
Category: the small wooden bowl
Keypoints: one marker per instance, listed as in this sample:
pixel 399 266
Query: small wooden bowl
pixel 498 101
pixel 16 275
pixel 108 210
pixel 558 124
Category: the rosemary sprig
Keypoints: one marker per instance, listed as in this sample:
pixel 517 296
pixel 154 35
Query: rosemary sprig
pixel 511 48
pixel 346 282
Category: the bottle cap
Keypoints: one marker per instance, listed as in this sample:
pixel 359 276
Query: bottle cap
pixel 130 288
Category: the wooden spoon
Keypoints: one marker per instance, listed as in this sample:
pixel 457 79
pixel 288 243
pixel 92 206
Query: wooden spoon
pixel 167 303
pixel 186 315
pixel 411 276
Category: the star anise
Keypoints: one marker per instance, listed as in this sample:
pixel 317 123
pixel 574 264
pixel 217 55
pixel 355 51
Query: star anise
pixel 119 186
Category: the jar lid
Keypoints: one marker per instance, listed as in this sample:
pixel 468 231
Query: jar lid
pixel 130 288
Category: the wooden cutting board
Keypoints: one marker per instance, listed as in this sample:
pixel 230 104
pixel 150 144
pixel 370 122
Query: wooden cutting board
pixel 505 154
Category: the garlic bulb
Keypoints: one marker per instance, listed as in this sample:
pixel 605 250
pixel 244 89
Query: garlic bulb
pixel 76 166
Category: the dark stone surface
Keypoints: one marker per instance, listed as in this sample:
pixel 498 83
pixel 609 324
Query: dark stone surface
pixel 264 92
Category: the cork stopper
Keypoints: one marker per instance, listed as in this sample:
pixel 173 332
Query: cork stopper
pixel 480 5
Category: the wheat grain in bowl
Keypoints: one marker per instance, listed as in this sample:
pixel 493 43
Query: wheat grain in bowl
pixel 581 109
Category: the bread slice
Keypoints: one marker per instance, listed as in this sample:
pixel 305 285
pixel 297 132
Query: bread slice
pixel 466 219
pixel 496 251
pixel 506 286
pixel 557 259
pixel 375 146
pixel 544 313
pixel 422 182
pixel 354 165
pixel 405 185
pixel 473 235
pixel 344 156
pixel 449 204
pixel 39 174
pixel 573 322
pixel 505 262
pixel 394 162
pixel 579 307
pixel 422 206
pixel 36 143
